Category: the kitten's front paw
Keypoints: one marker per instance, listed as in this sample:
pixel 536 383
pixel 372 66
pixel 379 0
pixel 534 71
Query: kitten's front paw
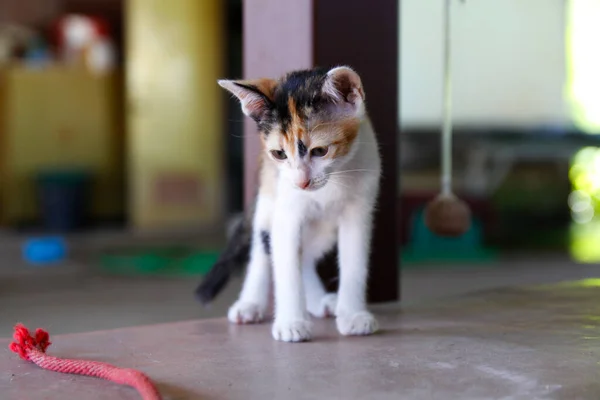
pixel 292 331
pixel 357 324
pixel 326 306
pixel 242 312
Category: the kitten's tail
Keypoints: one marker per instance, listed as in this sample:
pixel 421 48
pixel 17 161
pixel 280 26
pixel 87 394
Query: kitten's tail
pixel 233 258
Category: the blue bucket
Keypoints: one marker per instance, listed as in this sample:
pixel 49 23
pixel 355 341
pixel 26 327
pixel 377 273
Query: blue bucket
pixel 63 197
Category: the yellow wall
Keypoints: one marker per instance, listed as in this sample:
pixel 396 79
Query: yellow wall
pixel 59 118
pixel 174 120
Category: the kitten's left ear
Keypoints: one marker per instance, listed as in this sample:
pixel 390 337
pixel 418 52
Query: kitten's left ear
pixel 254 95
pixel 344 87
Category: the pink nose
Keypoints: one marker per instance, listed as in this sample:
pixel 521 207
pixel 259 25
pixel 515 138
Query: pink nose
pixel 304 184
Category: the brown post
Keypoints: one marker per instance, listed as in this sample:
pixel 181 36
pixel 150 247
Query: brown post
pixel 283 35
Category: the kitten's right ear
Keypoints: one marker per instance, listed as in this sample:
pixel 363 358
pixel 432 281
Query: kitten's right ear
pixel 256 96
pixel 344 88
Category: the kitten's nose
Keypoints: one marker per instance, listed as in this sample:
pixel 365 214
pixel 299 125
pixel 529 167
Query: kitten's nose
pixel 304 184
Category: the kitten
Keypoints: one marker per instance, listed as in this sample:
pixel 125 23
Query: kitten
pixel 319 180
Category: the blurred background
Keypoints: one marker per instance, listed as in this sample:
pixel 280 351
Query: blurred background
pixel 121 159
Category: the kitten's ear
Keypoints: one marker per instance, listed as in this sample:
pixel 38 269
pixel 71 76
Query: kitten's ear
pixel 255 95
pixel 344 88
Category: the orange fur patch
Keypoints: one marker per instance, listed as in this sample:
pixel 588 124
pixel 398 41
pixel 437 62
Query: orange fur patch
pixel 297 130
pixel 265 85
pixel 339 136
pixel 347 133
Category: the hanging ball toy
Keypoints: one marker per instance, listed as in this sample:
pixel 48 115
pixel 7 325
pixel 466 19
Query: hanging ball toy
pixel 447 215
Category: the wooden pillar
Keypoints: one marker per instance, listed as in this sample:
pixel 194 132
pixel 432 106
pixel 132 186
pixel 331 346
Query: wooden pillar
pixel 283 35
pixel 278 38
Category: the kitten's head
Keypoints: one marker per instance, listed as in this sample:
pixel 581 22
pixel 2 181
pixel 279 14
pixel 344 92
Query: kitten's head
pixel 308 120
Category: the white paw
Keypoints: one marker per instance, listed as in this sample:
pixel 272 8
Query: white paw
pixel 326 306
pixel 357 324
pixel 242 312
pixel 292 331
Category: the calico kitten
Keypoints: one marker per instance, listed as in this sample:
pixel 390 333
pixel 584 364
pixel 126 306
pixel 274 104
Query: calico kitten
pixel 319 180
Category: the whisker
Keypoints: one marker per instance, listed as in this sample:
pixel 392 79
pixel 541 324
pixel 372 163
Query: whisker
pixel 338 183
pixel 351 170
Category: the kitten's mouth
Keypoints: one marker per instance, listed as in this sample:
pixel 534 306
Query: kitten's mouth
pixel 317 184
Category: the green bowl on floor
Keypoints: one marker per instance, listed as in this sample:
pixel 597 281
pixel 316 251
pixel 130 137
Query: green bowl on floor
pixel 426 248
pixel 172 261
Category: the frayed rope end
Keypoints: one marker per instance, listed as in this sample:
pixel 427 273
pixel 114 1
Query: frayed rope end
pixel 25 343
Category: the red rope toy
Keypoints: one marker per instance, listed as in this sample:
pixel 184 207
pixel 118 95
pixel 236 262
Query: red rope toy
pixel 33 349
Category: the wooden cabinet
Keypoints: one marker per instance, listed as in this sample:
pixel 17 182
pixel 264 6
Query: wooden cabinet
pixel 175 115
pixel 57 118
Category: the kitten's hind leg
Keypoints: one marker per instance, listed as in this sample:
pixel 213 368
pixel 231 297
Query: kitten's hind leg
pixel 253 301
pixel 317 241
pixel 319 303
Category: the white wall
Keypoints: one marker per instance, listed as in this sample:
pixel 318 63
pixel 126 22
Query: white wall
pixel 508 62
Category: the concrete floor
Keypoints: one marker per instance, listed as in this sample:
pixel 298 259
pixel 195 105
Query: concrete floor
pixel 76 298
pixel 506 344
pixel 512 344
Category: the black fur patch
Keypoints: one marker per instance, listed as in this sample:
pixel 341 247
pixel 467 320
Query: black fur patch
pixel 265 238
pixel 302 150
pixel 304 87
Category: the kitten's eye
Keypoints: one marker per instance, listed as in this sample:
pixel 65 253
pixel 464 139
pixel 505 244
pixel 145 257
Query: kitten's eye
pixel 318 151
pixel 279 154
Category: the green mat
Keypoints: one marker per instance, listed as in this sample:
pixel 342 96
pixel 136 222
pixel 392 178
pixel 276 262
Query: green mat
pixel 158 261
pixel 424 250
